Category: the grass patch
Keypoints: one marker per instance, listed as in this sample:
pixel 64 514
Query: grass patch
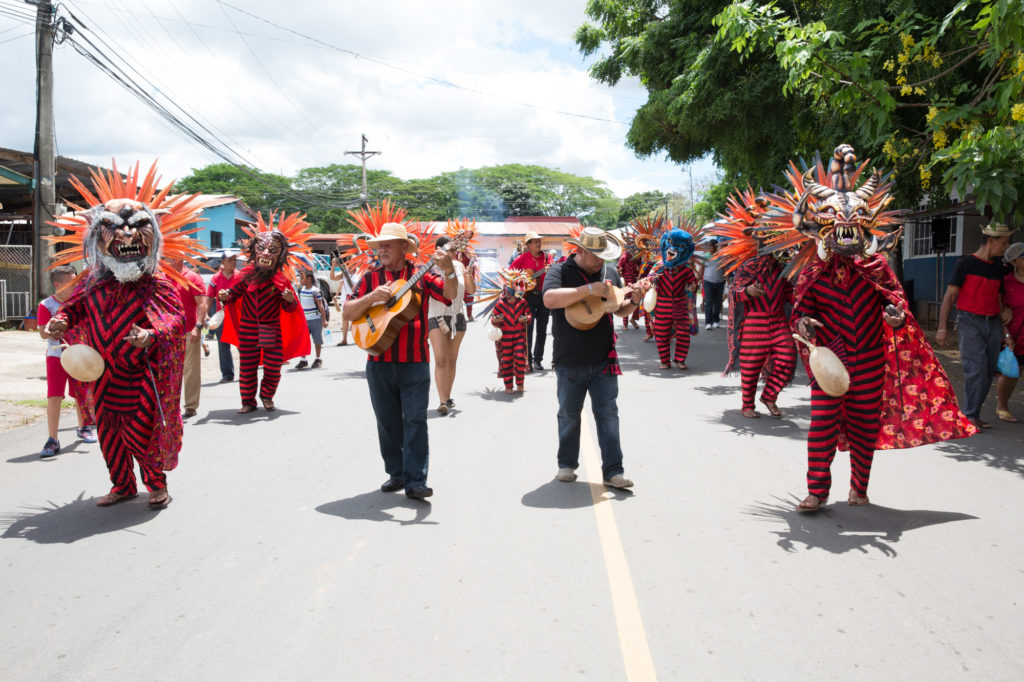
pixel 41 402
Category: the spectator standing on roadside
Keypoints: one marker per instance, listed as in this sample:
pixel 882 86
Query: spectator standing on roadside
pixel 313 307
pixel 714 287
pixel 1013 332
pixel 976 289
pixel 225 278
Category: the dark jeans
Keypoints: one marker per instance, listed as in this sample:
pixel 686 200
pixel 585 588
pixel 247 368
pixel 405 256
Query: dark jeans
pixel 980 343
pixel 573 385
pixel 227 364
pixel 535 350
pixel 399 392
pixel 713 292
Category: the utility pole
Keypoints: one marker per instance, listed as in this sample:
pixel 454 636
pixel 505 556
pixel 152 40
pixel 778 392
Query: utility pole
pixel 43 161
pixel 364 155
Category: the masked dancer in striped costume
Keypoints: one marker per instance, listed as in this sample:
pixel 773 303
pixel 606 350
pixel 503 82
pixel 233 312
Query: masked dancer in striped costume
pixel 129 311
pixel 672 312
pixel 262 314
pixel 848 299
pixel 511 314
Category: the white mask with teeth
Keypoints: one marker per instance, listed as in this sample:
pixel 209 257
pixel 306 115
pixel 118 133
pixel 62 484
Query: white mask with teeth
pixel 123 241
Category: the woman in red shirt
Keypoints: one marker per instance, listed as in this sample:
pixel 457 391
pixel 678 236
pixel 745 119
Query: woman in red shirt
pixel 1013 331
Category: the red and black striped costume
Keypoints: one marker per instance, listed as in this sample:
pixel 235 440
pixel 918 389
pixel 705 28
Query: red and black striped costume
pixel 850 307
pixel 267 330
pixel 511 347
pixel 137 396
pixel 764 340
pixel 672 313
pixel 629 270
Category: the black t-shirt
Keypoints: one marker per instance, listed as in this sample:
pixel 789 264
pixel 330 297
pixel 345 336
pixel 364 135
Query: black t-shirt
pixel 575 347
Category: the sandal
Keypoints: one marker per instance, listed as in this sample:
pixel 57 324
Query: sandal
pixel 112 498
pixel 246 409
pixel 682 365
pixel 856 500
pixel 520 388
pixel 665 366
pixel 158 499
pixel 772 407
pixel 268 404
pixel 508 389
pixel 1006 416
pixel 812 503
pixel 750 413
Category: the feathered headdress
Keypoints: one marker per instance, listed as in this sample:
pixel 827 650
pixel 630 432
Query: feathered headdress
pixel 173 212
pixel 735 228
pixel 467 228
pixel 369 221
pixel 293 227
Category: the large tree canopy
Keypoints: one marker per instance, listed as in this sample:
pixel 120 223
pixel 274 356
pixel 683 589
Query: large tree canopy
pixel 931 89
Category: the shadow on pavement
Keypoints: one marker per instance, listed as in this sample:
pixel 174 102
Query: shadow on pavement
pixel 76 520
pixel 999 448
pixel 350 374
pixel 374 506
pixel 721 389
pixel 766 425
pixel 498 394
pixel 559 495
pixel 840 528
pixel 232 417
pixel 70 449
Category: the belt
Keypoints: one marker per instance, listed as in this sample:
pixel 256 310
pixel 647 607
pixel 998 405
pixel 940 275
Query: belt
pixel 984 317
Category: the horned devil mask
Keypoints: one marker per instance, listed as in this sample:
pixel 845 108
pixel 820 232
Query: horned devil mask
pixel 124 240
pixel 676 248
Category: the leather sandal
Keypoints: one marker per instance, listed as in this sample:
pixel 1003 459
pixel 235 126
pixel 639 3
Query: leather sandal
pixel 112 498
pixel 772 407
pixel 855 499
pixel 268 404
pixel 158 499
pixel 246 409
pixel 749 413
pixel 812 503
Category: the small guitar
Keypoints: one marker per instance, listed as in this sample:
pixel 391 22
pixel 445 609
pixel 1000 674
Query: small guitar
pixel 378 328
pixel 586 313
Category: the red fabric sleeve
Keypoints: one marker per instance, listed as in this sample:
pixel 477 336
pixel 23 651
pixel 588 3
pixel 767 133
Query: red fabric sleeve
pixel 433 286
pixel 42 315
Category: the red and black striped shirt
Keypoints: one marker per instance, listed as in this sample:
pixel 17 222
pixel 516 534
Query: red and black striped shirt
pixel 411 343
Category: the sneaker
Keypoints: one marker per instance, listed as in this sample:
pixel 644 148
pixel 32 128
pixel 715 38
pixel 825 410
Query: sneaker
pixel 317 363
pixel 86 434
pixel 450 403
pixel 707 327
pixel 226 380
pixel 302 365
pixel 442 408
pixel 566 475
pixel 619 481
pixel 538 366
pixel 51 448
pixel 714 326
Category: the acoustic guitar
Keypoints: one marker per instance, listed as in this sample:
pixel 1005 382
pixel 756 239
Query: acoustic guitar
pixel 586 313
pixel 378 327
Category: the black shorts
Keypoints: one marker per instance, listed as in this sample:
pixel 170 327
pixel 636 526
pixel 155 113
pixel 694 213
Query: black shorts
pixel 460 322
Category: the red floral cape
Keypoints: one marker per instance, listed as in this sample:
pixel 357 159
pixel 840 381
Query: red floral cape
pixel 294 331
pixel 918 403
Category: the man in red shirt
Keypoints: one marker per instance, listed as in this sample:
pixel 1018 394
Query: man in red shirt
pixel 194 304
pixel 399 378
pixel 536 260
pixel 225 278
pixel 976 287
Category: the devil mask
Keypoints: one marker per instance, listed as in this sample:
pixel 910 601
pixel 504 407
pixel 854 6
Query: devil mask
pixel 268 252
pixel 123 240
pixel 676 248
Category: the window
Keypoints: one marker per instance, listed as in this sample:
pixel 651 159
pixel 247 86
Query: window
pixel 216 240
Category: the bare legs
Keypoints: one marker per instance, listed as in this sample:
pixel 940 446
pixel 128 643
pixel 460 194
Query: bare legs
pixel 1004 389
pixel 446 355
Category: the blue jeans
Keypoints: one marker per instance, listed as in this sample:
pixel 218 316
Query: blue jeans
pixel 713 301
pixel 573 385
pixel 399 392
pixel 980 343
pixel 227 365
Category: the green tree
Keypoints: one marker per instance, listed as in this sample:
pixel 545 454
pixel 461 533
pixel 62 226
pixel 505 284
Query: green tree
pixel 642 204
pixel 262 191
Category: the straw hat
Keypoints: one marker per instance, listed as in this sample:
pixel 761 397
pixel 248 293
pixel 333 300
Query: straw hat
pixel 1013 252
pixel 997 230
pixel 530 236
pixel 598 242
pixel 393 232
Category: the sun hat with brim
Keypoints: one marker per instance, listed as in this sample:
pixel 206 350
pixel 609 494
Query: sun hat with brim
pixel 530 236
pixel 392 232
pixel 598 242
pixel 1013 252
pixel 997 230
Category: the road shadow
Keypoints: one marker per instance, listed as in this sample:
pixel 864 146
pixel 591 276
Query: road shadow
pixel 73 447
pixel 839 528
pixel 497 394
pixel 765 425
pixel 556 494
pixel 1000 448
pixel 76 520
pixel 349 374
pixel 231 416
pixel 721 389
pixel 374 506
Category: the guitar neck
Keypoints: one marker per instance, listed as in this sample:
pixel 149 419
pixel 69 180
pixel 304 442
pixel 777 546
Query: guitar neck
pixel 423 269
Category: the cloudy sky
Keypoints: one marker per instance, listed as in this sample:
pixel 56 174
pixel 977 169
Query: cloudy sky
pixel 435 86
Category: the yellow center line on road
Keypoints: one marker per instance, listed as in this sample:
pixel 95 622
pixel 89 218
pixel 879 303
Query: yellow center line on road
pixel 636 654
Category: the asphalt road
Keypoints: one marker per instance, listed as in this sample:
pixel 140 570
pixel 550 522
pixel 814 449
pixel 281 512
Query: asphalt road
pixel 280 559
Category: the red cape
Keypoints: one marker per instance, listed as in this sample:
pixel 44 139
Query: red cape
pixel 294 332
pixel 918 402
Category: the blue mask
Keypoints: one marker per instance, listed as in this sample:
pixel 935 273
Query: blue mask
pixel 676 248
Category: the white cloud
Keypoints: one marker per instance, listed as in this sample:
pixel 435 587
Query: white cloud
pixel 516 50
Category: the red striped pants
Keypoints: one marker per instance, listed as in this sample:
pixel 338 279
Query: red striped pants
pixel 856 414
pixel 765 338
pixel 124 440
pixel 669 324
pixel 248 361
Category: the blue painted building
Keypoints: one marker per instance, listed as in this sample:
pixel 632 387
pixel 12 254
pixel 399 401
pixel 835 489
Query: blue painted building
pixel 223 223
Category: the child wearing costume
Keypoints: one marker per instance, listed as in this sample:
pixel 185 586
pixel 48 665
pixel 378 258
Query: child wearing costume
pixel 511 314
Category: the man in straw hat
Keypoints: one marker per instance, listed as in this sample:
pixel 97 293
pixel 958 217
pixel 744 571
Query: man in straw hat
pixel 399 378
pixel 585 360
pixel 535 260
pixel 977 289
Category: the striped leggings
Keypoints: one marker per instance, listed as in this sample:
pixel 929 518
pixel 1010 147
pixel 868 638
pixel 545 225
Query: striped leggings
pixel 512 359
pixel 856 414
pixel 124 438
pixel 763 338
pixel 669 324
pixel 248 361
